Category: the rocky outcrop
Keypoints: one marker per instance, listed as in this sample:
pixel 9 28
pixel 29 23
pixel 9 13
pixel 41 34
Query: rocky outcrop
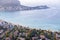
pixel 9 2
pixel 14 5
pixel 9 5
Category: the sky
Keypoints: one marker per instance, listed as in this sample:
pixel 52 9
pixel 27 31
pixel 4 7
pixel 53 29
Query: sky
pixel 39 2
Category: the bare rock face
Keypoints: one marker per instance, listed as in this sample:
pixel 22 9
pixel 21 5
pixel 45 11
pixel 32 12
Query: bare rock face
pixel 14 5
pixel 9 2
pixel 9 5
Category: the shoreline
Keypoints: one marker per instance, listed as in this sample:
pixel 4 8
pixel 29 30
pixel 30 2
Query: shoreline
pixel 30 27
pixel 14 32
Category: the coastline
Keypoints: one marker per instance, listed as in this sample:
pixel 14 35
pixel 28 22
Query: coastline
pixel 25 26
pixel 14 32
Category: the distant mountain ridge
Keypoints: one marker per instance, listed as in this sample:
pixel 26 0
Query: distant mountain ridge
pixel 14 5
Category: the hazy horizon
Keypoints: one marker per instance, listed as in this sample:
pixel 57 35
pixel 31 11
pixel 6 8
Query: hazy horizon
pixel 39 2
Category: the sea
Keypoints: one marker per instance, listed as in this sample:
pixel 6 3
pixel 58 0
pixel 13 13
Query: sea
pixel 46 19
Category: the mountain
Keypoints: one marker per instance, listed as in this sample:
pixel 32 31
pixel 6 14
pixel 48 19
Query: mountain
pixel 14 5
pixel 9 2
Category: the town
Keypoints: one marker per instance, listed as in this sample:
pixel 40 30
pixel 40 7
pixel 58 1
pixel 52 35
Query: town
pixel 9 31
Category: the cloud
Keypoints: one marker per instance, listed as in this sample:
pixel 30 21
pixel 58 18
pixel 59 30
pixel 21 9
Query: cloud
pixel 38 2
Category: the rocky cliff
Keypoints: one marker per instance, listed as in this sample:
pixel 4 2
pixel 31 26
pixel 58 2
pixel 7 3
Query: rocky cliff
pixel 14 5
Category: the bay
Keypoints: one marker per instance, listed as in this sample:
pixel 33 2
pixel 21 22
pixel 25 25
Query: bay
pixel 46 19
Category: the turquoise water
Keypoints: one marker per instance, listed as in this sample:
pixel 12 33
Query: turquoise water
pixel 47 19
